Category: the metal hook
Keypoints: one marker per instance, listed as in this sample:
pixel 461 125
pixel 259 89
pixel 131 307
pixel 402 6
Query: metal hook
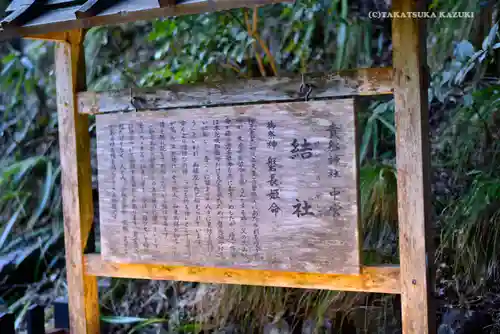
pixel 132 100
pixel 138 102
pixel 305 89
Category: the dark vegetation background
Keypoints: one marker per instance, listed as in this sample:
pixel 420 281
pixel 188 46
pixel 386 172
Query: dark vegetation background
pixel 311 35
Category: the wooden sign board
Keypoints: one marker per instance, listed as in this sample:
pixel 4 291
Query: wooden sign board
pixel 270 186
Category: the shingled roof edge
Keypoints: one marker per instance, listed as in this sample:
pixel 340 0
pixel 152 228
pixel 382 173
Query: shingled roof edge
pixel 65 19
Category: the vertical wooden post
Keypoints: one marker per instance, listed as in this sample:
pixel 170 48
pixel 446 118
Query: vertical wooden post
pixel 76 179
pixel 412 154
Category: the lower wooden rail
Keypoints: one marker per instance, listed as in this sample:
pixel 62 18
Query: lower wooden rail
pixel 379 279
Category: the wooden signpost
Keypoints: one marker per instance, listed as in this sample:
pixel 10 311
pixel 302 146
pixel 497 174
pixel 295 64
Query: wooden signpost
pixel 248 182
pixel 270 186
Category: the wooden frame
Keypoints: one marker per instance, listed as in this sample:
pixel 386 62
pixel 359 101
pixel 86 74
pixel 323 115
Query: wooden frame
pixel 411 280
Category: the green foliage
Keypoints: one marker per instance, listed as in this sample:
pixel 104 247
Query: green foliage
pixel 138 323
pixel 472 233
pixel 377 142
pixel 30 202
pixel 379 212
pixel 444 32
pixel 472 140
pixel 305 36
pixel 481 56
pixel 470 224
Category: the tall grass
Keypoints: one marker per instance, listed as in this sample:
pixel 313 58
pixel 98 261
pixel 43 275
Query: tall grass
pixel 31 227
pixel 470 223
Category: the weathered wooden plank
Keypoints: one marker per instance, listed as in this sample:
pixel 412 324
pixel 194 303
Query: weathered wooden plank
pixel 52 36
pixel 269 186
pixel 370 81
pixel 412 154
pixel 64 19
pixel 377 279
pixel 76 182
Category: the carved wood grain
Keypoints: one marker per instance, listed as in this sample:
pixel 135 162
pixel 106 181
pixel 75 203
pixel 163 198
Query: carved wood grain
pixel 371 81
pixel 149 213
pixel 76 183
pixel 412 158
pixel 377 279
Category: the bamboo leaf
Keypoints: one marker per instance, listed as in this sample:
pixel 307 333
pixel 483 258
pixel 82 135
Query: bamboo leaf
pixel 47 188
pixel 491 37
pixel 10 224
pixel 146 323
pixel 121 320
pixel 365 142
pixel 387 124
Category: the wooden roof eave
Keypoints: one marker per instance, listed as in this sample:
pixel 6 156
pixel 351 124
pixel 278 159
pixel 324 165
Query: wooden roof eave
pixel 65 19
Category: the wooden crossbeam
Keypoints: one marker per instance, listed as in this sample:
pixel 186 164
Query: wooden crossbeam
pixel 51 37
pixel 371 81
pixel 381 279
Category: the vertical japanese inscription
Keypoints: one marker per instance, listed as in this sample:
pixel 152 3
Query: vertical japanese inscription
pixel 112 144
pixel 334 131
pixel 254 196
pixel 219 196
pixel 154 206
pixel 302 150
pixel 208 183
pixel 133 187
pixel 114 198
pixel 174 188
pixel 163 179
pixel 272 166
pixel 271 187
pixel 142 186
pixel 196 180
pixel 230 188
pixel 123 190
pixel 242 182
pixel 186 186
